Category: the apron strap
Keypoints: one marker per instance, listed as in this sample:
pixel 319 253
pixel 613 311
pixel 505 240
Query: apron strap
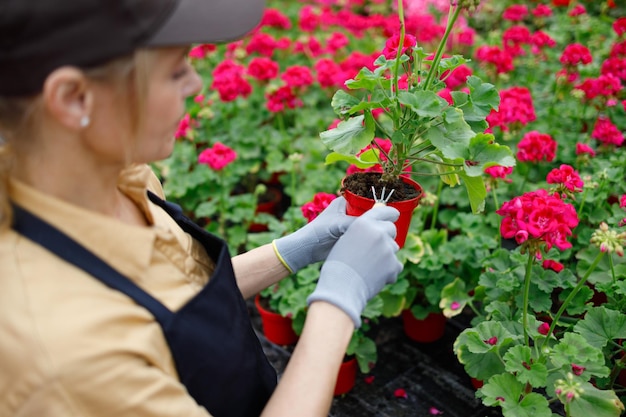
pixel 69 250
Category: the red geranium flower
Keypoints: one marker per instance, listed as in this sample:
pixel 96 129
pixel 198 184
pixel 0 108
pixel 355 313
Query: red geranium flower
pixel 606 132
pixel 582 149
pixel 556 267
pixel 575 54
pixel 391 46
pixel 536 147
pixel 538 217
pixel 217 157
pixel 567 179
pixel 313 208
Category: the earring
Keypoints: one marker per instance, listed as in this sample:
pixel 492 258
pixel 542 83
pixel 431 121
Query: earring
pixel 84 121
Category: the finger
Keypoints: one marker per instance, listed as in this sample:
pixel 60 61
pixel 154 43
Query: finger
pixel 389 229
pixel 338 205
pixel 382 213
pixel 394 277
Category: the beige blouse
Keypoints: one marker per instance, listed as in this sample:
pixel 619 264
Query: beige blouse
pixel 69 345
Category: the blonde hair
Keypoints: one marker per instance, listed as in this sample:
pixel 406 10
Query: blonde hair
pixel 19 116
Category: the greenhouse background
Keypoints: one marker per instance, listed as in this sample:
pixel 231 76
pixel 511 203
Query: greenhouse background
pixel 529 286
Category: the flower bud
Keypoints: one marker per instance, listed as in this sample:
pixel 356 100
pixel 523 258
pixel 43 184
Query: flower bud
pixel 470 5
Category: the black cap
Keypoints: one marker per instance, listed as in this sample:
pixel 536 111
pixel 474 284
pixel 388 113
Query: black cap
pixel 38 36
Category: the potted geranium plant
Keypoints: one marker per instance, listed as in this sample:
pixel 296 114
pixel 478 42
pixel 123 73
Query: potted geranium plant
pixel 396 117
pixel 401 121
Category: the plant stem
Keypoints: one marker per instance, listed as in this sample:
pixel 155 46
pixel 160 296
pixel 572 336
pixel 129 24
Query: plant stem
pixel 494 190
pixel 571 295
pixel 453 14
pixel 612 269
pixel 435 162
pixel 529 267
pixel 582 202
pixel 396 66
pixel 433 221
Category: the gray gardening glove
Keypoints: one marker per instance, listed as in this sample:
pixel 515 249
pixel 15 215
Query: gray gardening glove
pixel 312 242
pixel 360 264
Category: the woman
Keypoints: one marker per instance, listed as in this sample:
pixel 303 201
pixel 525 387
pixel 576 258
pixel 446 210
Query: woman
pixel 112 303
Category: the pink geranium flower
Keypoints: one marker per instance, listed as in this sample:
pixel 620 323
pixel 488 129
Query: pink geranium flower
pixel 607 133
pixel 577 10
pixel 184 127
pixel 499 172
pixel 536 147
pixel 297 76
pixel 282 99
pixel 217 157
pixel 391 46
pixel 263 68
pixel 575 54
pixel 500 59
pixel 583 149
pixel 313 208
pixel 566 178
pixel 544 328
pixel 538 217
pixel 553 265
pixel 201 51
pixel 515 13
pixel 516 109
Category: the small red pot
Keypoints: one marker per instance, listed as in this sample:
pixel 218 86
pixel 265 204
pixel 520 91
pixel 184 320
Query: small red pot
pixel 477 383
pixel 276 328
pixel 346 377
pixel 270 207
pixel 431 329
pixel 357 205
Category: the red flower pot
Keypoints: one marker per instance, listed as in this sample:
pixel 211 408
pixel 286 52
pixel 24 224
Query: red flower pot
pixel 357 205
pixel 276 328
pixel 270 207
pixel 477 383
pixel 346 376
pixel 431 329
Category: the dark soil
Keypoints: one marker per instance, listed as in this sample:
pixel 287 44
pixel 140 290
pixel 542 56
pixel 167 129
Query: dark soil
pixel 361 184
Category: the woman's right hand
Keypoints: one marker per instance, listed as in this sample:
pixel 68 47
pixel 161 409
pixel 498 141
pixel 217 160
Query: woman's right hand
pixel 361 263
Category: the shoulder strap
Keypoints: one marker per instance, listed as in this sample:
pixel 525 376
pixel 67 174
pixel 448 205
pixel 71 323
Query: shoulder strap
pixel 39 231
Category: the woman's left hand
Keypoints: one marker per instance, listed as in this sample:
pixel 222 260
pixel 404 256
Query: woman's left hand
pixel 313 242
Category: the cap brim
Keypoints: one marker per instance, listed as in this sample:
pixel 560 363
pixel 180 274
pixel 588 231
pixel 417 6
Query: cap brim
pixel 208 21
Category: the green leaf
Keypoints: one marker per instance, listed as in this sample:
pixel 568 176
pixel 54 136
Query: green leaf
pixel 484 96
pixel 504 390
pixel 483 152
pixel 476 192
pixel 457 131
pixel 350 136
pixel 393 304
pixel 373 308
pixel 424 103
pixel 364 349
pixel 574 349
pixel 481 358
pixel 454 295
pixel 519 361
pixel 451 63
pixel 501 389
pixel 602 325
pixel 367 159
pixel 343 103
pixel 596 403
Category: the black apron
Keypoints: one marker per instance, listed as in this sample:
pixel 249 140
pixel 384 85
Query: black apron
pixel 218 357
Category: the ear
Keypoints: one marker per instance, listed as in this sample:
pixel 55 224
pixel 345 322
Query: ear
pixel 67 97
